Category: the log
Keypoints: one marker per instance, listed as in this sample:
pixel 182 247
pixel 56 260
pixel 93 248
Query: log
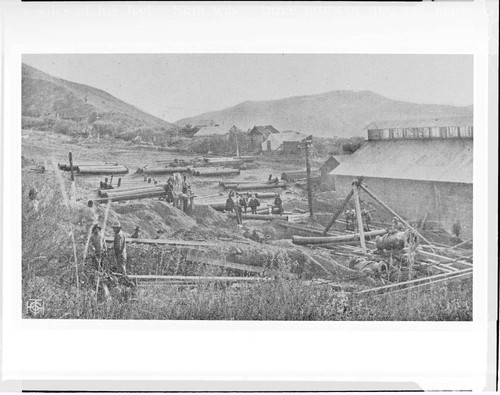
pixel 228 265
pixel 335 239
pixel 261 217
pixel 202 172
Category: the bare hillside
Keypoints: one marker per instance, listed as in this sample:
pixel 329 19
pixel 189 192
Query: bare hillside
pixel 336 113
pixel 47 96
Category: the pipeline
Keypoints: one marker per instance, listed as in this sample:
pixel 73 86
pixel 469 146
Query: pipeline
pixel 96 170
pixel 165 170
pixel 335 239
pixel 261 217
pixel 395 240
pixel 214 172
pixel 249 187
pixel 142 195
pixel 298 174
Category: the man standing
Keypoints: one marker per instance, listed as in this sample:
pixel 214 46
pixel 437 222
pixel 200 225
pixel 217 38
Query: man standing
pixel 120 248
pixel 278 203
pixel 253 203
pixel 98 246
pixel 243 203
pixel 230 203
pixel 136 234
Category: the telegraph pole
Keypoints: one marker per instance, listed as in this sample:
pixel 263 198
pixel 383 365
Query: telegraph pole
pixel 307 143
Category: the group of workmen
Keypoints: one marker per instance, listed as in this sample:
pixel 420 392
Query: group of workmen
pixel 99 249
pixel 350 219
pixel 239 204
pixel 171 196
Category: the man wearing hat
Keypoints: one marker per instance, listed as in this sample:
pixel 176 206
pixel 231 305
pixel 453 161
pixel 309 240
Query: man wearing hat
pixel 120 248
pixel 136 234
pixel 98 246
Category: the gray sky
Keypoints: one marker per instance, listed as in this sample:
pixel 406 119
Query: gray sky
pixel 174 86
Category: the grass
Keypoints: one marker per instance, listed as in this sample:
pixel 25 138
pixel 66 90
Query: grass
pixel 48 273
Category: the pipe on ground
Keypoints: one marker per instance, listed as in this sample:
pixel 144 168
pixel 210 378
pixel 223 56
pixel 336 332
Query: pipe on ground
pixel 335 239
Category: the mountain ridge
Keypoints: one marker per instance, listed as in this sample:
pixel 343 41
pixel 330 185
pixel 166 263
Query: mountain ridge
pixel 341 113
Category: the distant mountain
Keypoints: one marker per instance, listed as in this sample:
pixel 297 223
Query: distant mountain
pixel 336 113
pixel 47 96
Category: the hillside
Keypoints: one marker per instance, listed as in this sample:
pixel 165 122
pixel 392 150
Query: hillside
pixel 44 96
pixel 336 113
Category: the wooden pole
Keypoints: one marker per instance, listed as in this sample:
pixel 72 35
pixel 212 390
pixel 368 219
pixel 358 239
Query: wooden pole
pixel 308 171
pixel 392 212
pixel 71 166
pixel 338 212
pixel 359 217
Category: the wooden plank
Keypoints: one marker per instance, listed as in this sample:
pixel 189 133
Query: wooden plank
pixel 338 212
pixel 165 242
pixel 361 229
pixel 195 278
pixel 217 262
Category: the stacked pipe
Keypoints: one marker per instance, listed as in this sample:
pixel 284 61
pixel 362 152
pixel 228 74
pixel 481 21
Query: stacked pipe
pixel 66 167
pixel 128 194
pixel 202 172
pixel 250 187
pixel 335 239
pixel 299 174
pixel 106 169
pixel 234 184
pixel 165 170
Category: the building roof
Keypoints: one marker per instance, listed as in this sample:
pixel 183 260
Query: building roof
pixel 215 130
pixel 423 160
pixel 265 130
pixel 290 136
pixel 421 123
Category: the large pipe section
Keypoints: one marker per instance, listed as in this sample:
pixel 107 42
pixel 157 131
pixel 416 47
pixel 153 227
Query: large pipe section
pixel 95 170
pixel 261 217
pixel 214 172
pixel 249 187
pixel 165 170
pixel 335 239
pixel 142 195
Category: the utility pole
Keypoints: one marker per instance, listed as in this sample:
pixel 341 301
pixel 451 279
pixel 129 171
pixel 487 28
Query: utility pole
pixel 307 143
pixel 71 166
pixel 237 146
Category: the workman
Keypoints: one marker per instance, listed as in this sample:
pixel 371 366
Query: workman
pixel 185 186
pixel 136 234
pixel 397 226
pixel 120 248
pixel 367 219
pixel 253 203
pixel 278 203
pixel 243 203
pixel 98 246
pixel 230 203
pixel 33 196
pixel 237 210
pixel 456 229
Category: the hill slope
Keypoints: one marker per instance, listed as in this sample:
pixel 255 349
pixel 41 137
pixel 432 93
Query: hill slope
pixel 47 96
pixel 336 113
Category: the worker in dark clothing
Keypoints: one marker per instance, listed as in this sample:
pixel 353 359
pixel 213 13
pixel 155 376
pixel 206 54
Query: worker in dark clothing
pixel 278 203
pixel 456 229
pixel 237 210
pixel 185 186
pixel 230 203
pixel 243 203
pixel 253 204
pixel 120 248
pixel 136 234
pixel 169 189
pixel 367 219
pixel 98 247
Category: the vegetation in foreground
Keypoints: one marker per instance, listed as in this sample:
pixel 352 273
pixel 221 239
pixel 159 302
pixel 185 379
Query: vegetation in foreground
pixel 52 246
